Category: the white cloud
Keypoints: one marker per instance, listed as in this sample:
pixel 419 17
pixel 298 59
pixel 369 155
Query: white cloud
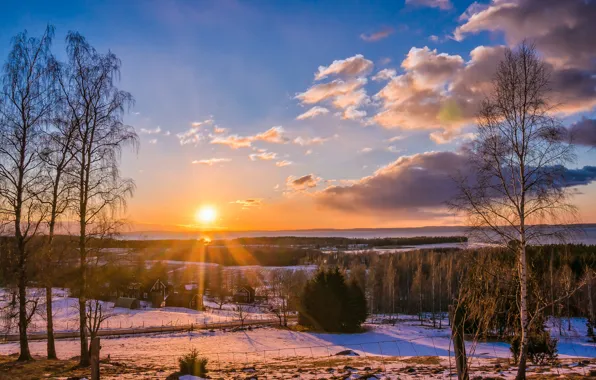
pixel 441 4
pixel 351 100
pixel 272 135
pixel 233 141
pixel 151 131
pixel 395 138
pixel 212 161
pixel 313 112
pixel 264 156
pixel 376 36
pixel 275 135
pixel 351 113
pixel 192 136
pixel 324 91
pixel 385 74
pixel 304 141
pixel 444 137
pixel 353 66
pixel 283 163
pixel 198 124
pixel 248 203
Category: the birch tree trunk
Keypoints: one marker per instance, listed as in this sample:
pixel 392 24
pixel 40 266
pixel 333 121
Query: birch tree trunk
pixel 523 309
pixel 51 346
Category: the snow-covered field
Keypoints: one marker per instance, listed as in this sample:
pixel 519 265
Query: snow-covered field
pixel 381 345
pixel 390 350
pixel 66 314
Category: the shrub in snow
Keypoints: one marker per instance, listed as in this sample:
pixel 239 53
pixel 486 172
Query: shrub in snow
pixel 542 349
pixel 193 364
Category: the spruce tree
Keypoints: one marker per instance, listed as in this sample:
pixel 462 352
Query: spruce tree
pixel 329 304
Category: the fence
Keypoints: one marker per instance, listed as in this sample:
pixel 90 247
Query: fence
pixel 141 330
pixel 136 319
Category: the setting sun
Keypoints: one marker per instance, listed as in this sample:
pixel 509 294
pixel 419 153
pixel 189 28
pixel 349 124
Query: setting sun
pixel 206 214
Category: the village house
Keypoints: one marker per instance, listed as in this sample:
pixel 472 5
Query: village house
pixel 244 294
pixel 189 296
pixel 154 293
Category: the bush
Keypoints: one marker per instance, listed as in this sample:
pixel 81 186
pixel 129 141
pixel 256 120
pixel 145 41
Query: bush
pixel 329 304
pixel 542 349
pixel 193 364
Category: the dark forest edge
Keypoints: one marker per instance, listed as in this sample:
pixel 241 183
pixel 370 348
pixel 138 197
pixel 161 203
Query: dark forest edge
pixel 312 242
pixel 264 251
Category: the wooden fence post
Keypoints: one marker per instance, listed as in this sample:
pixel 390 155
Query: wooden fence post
pixel 95 358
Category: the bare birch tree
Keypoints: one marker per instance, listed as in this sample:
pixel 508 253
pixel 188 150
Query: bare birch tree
pixel 285 286
pixel 389 285
pixel 56 154
pixel 417 287
pixel 279 283
pixel 26 101
pixel 516 195
pixel 96 315
pixel 96 106
pixel 241 312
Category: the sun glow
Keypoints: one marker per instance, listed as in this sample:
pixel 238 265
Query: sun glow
pixel 206 215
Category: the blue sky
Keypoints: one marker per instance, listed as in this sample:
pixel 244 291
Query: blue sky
pixel 241 65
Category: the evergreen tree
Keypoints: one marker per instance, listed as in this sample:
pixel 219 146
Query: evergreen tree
pixel 357 309
pixel 329 304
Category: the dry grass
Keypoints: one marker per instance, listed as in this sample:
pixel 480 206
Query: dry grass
pixel 427 360
pixel 41 368
pixel 556 376
pixel 297 328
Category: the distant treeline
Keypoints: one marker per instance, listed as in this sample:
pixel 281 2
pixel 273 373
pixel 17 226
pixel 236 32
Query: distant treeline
pixel 427 281
pixel 313 242
pixel 234 254
pixel 264 251
pixel 341 242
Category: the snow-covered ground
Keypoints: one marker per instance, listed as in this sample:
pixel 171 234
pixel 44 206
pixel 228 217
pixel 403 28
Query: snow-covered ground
pixel 66 314
pixel 269 346
pixel 392 348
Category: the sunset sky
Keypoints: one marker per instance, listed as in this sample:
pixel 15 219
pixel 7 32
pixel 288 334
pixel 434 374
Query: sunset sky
pixel 317 114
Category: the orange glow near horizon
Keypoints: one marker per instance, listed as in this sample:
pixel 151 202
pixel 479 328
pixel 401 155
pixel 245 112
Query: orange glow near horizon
pixel 184 213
